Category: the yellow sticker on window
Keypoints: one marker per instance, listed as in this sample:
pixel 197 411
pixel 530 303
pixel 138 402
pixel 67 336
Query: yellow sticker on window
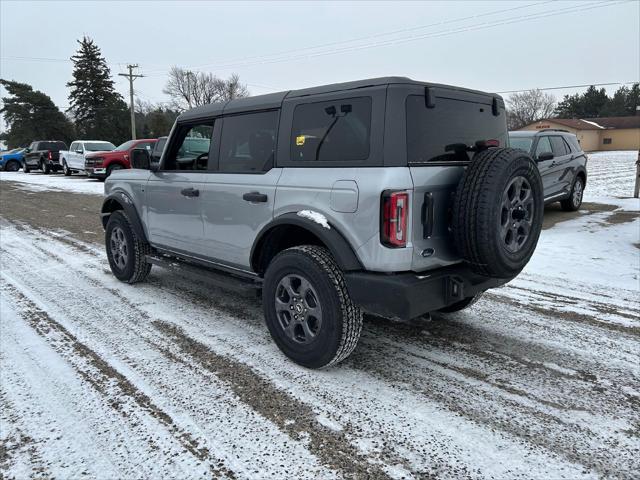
pixel 300 140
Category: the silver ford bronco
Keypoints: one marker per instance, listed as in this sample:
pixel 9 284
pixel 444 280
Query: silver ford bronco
pixel 387 196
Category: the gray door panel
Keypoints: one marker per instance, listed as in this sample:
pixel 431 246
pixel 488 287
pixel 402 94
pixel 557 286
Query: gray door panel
pixel 231 223
pixel 174 221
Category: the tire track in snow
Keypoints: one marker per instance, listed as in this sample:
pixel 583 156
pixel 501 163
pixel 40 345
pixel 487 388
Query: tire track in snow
pixel 103 377
pixel 199 298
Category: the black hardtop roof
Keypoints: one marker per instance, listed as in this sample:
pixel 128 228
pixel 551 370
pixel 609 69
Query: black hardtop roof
pixel 274 100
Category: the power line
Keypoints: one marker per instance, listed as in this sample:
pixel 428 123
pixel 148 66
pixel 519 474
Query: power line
pixel 377 35
pixel 570 86
pixel 486 25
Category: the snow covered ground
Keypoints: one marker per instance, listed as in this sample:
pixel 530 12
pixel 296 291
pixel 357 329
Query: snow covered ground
pixel 178 378
pixel 39 182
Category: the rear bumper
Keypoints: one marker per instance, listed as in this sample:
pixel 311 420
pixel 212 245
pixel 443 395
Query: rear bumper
pixel 408 295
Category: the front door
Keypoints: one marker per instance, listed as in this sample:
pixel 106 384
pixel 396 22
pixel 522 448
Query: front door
pixel 173 193
pixel 239 193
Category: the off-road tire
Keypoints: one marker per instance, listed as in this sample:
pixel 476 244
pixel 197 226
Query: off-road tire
pixel 137 268
pixel 65 168
pixel 572 204
pixel 25 167
pixel 462 304
pixel 45 167
pixel 477 207
pixel 341 324
pixel 12 166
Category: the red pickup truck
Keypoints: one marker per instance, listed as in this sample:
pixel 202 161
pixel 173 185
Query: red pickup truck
pixel 101 164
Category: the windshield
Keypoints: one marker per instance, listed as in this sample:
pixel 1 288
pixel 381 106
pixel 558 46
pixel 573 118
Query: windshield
pixel 125 146
pixel 521 143
pixel 99 146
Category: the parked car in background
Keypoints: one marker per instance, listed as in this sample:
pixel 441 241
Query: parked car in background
pixel 73 159
pixel 102 164
pixel 561 161
pixel 11 160
pixel 43 155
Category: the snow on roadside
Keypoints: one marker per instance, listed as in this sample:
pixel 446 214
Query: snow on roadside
pixel 38 182
pixel 611 176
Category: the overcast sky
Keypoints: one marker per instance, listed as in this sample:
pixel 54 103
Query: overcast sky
pixel 486 45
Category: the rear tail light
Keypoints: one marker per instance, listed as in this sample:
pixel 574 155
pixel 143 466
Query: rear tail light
pixel 393 221
pixel 50 156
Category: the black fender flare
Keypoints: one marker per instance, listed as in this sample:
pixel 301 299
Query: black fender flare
pixel 583 171
pixel 122 201
pixel 339 247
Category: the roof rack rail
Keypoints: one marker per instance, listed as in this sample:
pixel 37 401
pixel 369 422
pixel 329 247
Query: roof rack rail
pixel 554 130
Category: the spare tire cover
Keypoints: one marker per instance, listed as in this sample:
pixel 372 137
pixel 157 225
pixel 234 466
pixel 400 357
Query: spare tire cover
pixel 497 212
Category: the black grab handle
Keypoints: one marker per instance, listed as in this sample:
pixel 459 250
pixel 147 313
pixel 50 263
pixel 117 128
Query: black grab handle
pixel 255 197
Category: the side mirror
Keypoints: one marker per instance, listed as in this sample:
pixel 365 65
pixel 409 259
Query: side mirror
pixel 155 166
pixel 545 156
pixel 27 150
pixel 140 159
pixel 80 151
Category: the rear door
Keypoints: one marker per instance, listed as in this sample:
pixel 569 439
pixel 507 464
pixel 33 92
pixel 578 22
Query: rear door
pixel 557 167
pixel 439 135
pixel 239 191
pixel 173 206
pixel 547 168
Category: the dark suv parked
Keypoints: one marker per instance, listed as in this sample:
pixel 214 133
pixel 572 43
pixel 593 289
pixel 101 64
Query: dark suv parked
pixel 561 161
pixel 389 196
pixel 43 155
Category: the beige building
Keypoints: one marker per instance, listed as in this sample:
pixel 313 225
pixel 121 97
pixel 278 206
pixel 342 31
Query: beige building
pixel 595 134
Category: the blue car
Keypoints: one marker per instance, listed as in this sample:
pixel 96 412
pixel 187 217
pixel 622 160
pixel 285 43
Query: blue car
pixel 11 160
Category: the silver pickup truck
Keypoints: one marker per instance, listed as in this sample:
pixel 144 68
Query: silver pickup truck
pixel 388 196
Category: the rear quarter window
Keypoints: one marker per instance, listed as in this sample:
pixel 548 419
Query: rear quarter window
pixel 442 133
pixel 332 131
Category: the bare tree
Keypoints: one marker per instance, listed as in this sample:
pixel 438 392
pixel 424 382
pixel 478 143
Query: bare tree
pixel 189 89
pixel 528 107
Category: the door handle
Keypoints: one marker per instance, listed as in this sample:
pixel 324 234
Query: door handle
pixel 255 197
pixel 190 192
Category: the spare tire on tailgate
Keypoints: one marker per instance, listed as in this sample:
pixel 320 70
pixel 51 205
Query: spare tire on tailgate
pixel 497 212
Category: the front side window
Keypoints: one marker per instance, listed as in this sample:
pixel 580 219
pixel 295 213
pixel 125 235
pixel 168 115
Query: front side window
pixel 123 147
pixel 334 131
pixel 190 150
pixel 73 147
pixel 248 142
pixel 544 146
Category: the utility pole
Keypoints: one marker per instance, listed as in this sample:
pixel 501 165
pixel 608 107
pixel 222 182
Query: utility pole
pixel 131 78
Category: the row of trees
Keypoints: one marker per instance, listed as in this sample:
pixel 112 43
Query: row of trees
pixel 528 107
pixel 97 111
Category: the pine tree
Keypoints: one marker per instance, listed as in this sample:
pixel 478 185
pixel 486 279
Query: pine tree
pixel 98 110
pixel 31 115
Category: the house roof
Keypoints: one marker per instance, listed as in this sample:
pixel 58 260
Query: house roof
pixel 601 123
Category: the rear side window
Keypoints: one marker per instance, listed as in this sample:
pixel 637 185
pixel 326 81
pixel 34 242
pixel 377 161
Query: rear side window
pixel 559 146
pixel 334 131
pixel 443 133
pixel 248 142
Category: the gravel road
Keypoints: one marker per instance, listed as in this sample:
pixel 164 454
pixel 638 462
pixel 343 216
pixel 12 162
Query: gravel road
pixel 178 378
